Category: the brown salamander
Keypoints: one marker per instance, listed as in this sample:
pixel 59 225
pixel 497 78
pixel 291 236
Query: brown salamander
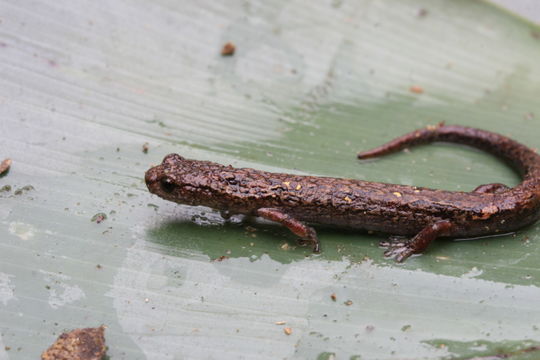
pixel 425 214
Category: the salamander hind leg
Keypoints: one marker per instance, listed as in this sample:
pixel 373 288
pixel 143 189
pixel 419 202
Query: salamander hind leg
pixel 494 188
pixel 305 232
pixel 400 249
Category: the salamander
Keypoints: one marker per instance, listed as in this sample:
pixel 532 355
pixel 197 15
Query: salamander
pixel 422 214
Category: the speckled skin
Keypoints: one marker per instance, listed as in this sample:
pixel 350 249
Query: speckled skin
pixel 357 204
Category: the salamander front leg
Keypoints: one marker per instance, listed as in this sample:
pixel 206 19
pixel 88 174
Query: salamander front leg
pixel 307 233
pixel 401 249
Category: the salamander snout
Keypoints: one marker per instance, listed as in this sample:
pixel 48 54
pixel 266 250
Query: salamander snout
pixel 151 178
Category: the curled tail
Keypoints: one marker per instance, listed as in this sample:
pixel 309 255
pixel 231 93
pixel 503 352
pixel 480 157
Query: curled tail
pixel 525 160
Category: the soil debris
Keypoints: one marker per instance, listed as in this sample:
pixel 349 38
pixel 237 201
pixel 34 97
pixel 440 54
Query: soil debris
pixel 416 89
pixel 5 165
pixel 24 189
pixel 78 344
pixel 221 258
pixel 228 49
pixel 98 218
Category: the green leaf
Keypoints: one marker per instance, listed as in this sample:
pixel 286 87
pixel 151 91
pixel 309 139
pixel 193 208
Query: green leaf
pixel 94 93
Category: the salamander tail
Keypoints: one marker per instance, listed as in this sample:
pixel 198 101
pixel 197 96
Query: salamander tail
pixel 522 158
pixel 418 137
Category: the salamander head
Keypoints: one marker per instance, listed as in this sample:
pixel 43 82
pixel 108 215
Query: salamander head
pixel 176 179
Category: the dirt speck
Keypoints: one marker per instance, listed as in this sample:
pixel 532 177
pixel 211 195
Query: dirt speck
pixel 228 49
pixel 333 297
pixel 145 148
pixel 24 189
pixel 422 13
pixel 416 89
pixel 99 217
pixel 221 258
pixel 5 165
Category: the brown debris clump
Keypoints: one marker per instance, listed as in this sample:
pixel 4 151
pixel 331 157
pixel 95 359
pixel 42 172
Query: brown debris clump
pixel 228 49
pixel 78 344
pixel 4 166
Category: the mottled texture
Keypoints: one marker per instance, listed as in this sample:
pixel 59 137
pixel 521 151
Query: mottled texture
pixel 396 209
pixel 78 344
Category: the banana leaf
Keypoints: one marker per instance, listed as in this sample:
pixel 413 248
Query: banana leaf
pixel 93 93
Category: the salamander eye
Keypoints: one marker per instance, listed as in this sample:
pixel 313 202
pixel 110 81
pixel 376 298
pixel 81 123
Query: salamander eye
pixel 167 185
